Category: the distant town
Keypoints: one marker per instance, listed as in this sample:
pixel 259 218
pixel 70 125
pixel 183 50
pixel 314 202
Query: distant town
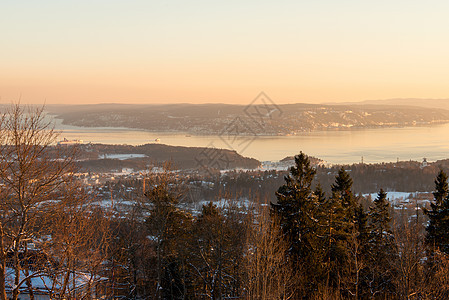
pixel 121 169
pixel 256 119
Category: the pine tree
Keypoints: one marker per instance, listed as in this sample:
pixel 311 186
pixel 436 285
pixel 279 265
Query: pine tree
pixel 356 250
pixel 361 224
pixel 296 206
pixel 438 229
pixel 345 236
pixel 379 219
pixel 209 238
pixel 342 188
pixel 319 194
pixel 297 211
pixel 168 226
pixel 333 237
pixel 342 193
pixel 218 236
pixel 380 247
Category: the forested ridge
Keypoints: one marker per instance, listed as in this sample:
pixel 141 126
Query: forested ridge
pixel 283 119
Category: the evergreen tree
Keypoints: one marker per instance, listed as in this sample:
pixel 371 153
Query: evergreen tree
pixel 342 193
pixel 342 188
pixel 319 194
pixel 333 237
pixel 379 215
pixel 356 246
pixel 346 236
pixel 379 277
pixel 168 226
pixel 361 225
pixel 207 246
pixel 296 206
pixel 438 228
pixel 216 249
pixel 297 211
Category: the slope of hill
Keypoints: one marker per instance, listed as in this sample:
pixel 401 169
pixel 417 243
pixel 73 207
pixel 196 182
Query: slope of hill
pixel 420 102
pixel 101 157
pixel 255 120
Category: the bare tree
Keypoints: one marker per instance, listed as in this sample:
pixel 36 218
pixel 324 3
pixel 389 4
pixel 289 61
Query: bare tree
pixel 31 174
pixel 215 258
pixel 77 245
pixel 267 273
pixel 409 240
pixel 436 283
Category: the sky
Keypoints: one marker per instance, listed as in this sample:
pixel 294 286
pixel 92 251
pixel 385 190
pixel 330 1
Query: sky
pixel 144 51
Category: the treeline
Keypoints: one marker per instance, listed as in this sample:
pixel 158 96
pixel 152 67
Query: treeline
pixel 404 176
pixel 407 176
pixel 303 246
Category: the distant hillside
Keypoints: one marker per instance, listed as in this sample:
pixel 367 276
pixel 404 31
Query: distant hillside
pixel 291 160
pixel 101 157
pixel 221 119
pixel 428 103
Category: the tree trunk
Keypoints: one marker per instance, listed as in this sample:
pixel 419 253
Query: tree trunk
pixel 2 274
pixel 16 291
pixel 2 266
pixel 27 274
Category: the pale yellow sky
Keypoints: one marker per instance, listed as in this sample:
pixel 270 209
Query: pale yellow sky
pixel 140 51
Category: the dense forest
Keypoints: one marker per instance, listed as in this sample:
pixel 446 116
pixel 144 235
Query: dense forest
pixel 303 244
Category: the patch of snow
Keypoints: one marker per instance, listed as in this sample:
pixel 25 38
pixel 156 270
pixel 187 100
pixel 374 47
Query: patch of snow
pixel 121 156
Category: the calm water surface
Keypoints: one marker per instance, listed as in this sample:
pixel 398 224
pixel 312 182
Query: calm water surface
pixel 375 145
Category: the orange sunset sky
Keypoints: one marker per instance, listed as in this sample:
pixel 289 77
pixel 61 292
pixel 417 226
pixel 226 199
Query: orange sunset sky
pixel 74 52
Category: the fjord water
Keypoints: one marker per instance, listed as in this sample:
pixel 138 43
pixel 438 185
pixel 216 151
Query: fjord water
pixel 344 146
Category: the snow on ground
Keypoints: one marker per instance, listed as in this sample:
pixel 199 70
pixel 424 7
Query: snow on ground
pixel 404 197
pixel 275 165
pixel 42 282
pixel 121 156
pixel 223 204
pixel 393 195
pixel 124 172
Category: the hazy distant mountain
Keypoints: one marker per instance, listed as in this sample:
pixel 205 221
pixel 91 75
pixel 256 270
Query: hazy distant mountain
pixel 429 103
pixel 270 119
